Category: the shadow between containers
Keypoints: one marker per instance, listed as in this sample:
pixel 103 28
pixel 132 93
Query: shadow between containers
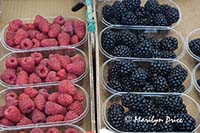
pixel 194 78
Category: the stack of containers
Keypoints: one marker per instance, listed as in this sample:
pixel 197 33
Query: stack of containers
pixel 31 77
pixel 141 79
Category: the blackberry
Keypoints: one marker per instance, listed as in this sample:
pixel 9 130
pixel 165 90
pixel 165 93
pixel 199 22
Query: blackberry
pixel 143 50
pixel 126 83
pixel 119 9
pixel 115 85
pixel 126 66
pixel 160 20
pixel 162 68
pixel 169 43
pixel 172 15
pixel 113 71
pixel 160 84
pixel 178 89
pixel 139 76
pixel 149 108
pixel 152 6
pixel 132 126
pixel 156 53
pixel 141 37
pixel 140 12
pixel 154 43
pixel 194 46
pixel 107 12
pixel 116 107
pixel 161 113
pixel 198 82
pixel 108 40
pixel 177 76
pixel 164 8
pixel 129 39
pixel 150 19
pixel 128 18
pixel 131 5
pixel 168 54
pixel 147 88
pixel 165 127
pixel 122 51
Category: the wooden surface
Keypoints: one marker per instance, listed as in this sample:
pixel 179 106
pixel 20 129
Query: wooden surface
pixel 190 21
pixel 29 9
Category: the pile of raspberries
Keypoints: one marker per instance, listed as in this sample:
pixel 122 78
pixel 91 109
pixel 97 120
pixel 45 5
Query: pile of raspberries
pixel 34 106
pixel 42 33
pixel 37 68
pixel 52 130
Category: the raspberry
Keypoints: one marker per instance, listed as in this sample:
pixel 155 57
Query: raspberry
pixel 11 99
pixel 53 55
pixel 59 20
pixel 55 29
pixel 40 101
pixel 44 92
pixel 53 130
pixel 28 64
pixel 49 42
pixel 22 132
pixel 10 38
pixel 77 68
pixel 32 33
pixel 2 109
pixel 70 116
pixel 26 104
pixel 12 62
pixel 71 130
pixel 76 58
pixel 63 38
pixel 55 118
pixel 66 87
pixel 51 77
pixel 13 114
pixel 34 78
pixel 38 116
pixel 29 26
pixel 76 107
pixel 65 99
pixel 44 26
pixel 9 76
pixel 38 19
pixel 26 43
pixel 44 62
pixel 53 97
pixel 79 29
pixel 54 63
pixel 36 130
pixel 71 76
pixel 40 36
pixel 20 35
pixel 15 25
pixel 64 60
pixel 31 92
pixel 78 96
pixel 74 39
pixel 52 108
pixel 22 78
pixel 24 121
pixel 41 71
pixel 62 74
pixel 6 122
pixel 37 57
pixel 36 43
pixel 68 26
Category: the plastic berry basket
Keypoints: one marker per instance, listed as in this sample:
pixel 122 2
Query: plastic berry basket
pixel 110 2
pixel 142 63
pixel 46 53
pixel 50 19
pixel 50 88
pixel 191 106
pixel 195 77
pixel 149 32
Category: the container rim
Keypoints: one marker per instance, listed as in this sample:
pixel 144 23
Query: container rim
pixel 110 127
pixel 11 49
pixel 112 91
pixel 196 86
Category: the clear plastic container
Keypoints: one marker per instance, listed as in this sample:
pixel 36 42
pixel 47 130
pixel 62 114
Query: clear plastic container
pixel 191 106
pixel 196 76
pixel 50 19
pixel 46 53
pixel 61 127
pixel 144 63
pixel 50 88
pixel 149 32
pixel 110 2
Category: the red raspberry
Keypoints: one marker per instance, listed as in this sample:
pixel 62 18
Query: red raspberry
pixel 74 39
pixel 22 78
pixel 41 71
pixel 36 43
pixel 70 115
pixel 37 56
pixel 79 29
pixel 78 96
pixel 71 76
pixel 13 114
pixel 10 38
pixel 36 130
pixel 51 77
pixel 68 26
pixel 40 36
pixel 29 26
pixel 34 78
pixel 38 19
pixel 12 62
pixel 32 33
pixel 53 55
pixel 62 74
pixel 28 64
pixel 52 108
pixel 76 58
pixel 11 99
pixel 71 130
pixel 24 121
pixel 65 99
pixel 59 20
pixel 76 107
pixel 55 118
pixel 26 43
pixel 20 35
pixel 63 38
pixel 44 26
pixel 22 132
pixel 53 130
pixel 53 97
pixel 66 87
pixel 38 116
pixel 40 101
pixel 44 92
pixel 15 25
pixel 54 64
pixel 64 60
pixel 11 95
pixel 2 109
pixel 26 104
pixel 55 29
pixel 77 68
pixel 6 122
pixel 31 92
pixel 44 62
pixel 9 76
pixel 49 42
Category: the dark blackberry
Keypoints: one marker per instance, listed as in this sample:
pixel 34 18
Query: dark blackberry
pixel 177 76
pixel 198 82
pixel 132 126
pixel 194 46
pixel 154 43
pixel 178 89
pixel 107 12
pixel 156 53
pixel 143 50
pixel 164 8
pixel 150 19
pixel 147 88
pixel 129 39
pixel 169 43
pixel 161 113
pixel 141 37
pixel 116 107
pixel 126 83
pixel 131 5
pixel 122 51
pixel 152 6
pixel 140 12
pixel 128 18
pixel 113 71
pixel 108 40
pixel 172 15
pixel 165 127
pixel 115 85
pixel 149 108
pixel 114 21
pixel 160 20
pixel 162 68
pixel 160 84
pixel 126 66
pixel 168 54
pixel 119 9
pixel 139 77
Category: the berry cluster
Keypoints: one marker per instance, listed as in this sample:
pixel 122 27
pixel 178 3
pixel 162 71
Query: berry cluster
pixel 36 68
pixel 194 46
pixel 42 33
pixel 146 107
pixel 51 130
pixel 155 76
pixel 130 12
pixel 34 106
pixel 137 44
